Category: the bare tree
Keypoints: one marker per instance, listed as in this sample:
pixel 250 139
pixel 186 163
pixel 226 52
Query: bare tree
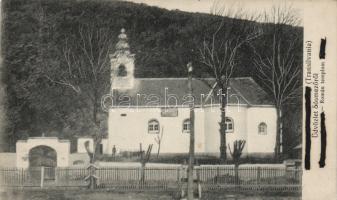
pixel 231 30
pixel 85 70
pixel 144 159
pixel 158 140
pixel 238 146
pixel 278 67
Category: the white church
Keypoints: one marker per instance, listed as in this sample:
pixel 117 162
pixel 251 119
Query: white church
pixel 146 110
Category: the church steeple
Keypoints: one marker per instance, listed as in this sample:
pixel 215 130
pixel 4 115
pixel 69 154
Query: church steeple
pixel 122 44
pixel 122 64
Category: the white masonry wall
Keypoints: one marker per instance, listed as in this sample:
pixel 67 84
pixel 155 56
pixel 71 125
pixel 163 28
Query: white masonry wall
pixel 127 132
pixel 23 147
pixel 212 127
pixel 128 127
pixel 261 144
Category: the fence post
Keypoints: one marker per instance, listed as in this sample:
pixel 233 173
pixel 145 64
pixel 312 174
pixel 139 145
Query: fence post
pixel 258 175
pixel 67 176
pixel 296 174
pixel 197 170
pixel 22 177
pixel 56 175
pixel 42 176
pixel 217 175
pixel 178 175
pixel 198 181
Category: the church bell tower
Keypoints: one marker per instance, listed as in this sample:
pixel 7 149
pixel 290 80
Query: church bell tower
pixel 122 64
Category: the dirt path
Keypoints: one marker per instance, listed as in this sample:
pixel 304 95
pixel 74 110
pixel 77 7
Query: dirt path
pixel 103 195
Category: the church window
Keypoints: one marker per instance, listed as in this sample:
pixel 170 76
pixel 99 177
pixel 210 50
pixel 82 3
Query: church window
pixel 186 126
pixel 153 126
pixel 229 125
pixel 121 70
pixel 262 129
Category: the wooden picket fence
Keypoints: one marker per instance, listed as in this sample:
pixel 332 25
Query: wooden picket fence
pixel 156 178
pixel 250 178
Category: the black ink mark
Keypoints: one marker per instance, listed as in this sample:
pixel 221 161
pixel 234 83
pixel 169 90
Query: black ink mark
pixel 323 141
pixel 307 127
pixel 322 49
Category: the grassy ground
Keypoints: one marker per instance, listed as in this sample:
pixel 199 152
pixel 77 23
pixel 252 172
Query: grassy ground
pixel 103 195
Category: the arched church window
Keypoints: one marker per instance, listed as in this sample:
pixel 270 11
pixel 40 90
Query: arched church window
pixel 262 129
pixel 186 126
pixel 121 70
pixel 153 126
pixel 229 125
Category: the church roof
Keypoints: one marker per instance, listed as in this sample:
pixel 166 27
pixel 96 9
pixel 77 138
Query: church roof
pixel 165 91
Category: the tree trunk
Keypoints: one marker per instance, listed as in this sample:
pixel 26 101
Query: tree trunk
pixel 94 112
pixel 236 170
pixel 142 173
pixel 93 183
pixel 12 140
pixel 158 150
pixel 97 138
pixel 143 161
pixel 191 159
pixel 190 193
pixel 281 134
pixel 278 133
pixel 223 147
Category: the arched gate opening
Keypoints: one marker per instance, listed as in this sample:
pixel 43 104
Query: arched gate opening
pixel 42 162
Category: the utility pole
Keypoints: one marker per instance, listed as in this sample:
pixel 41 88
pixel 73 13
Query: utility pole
pixel 191 150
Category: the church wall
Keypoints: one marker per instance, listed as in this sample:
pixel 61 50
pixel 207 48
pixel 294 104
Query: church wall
pixel 261 143
pixel 126 132
pixel 212 134
pixel 128 127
